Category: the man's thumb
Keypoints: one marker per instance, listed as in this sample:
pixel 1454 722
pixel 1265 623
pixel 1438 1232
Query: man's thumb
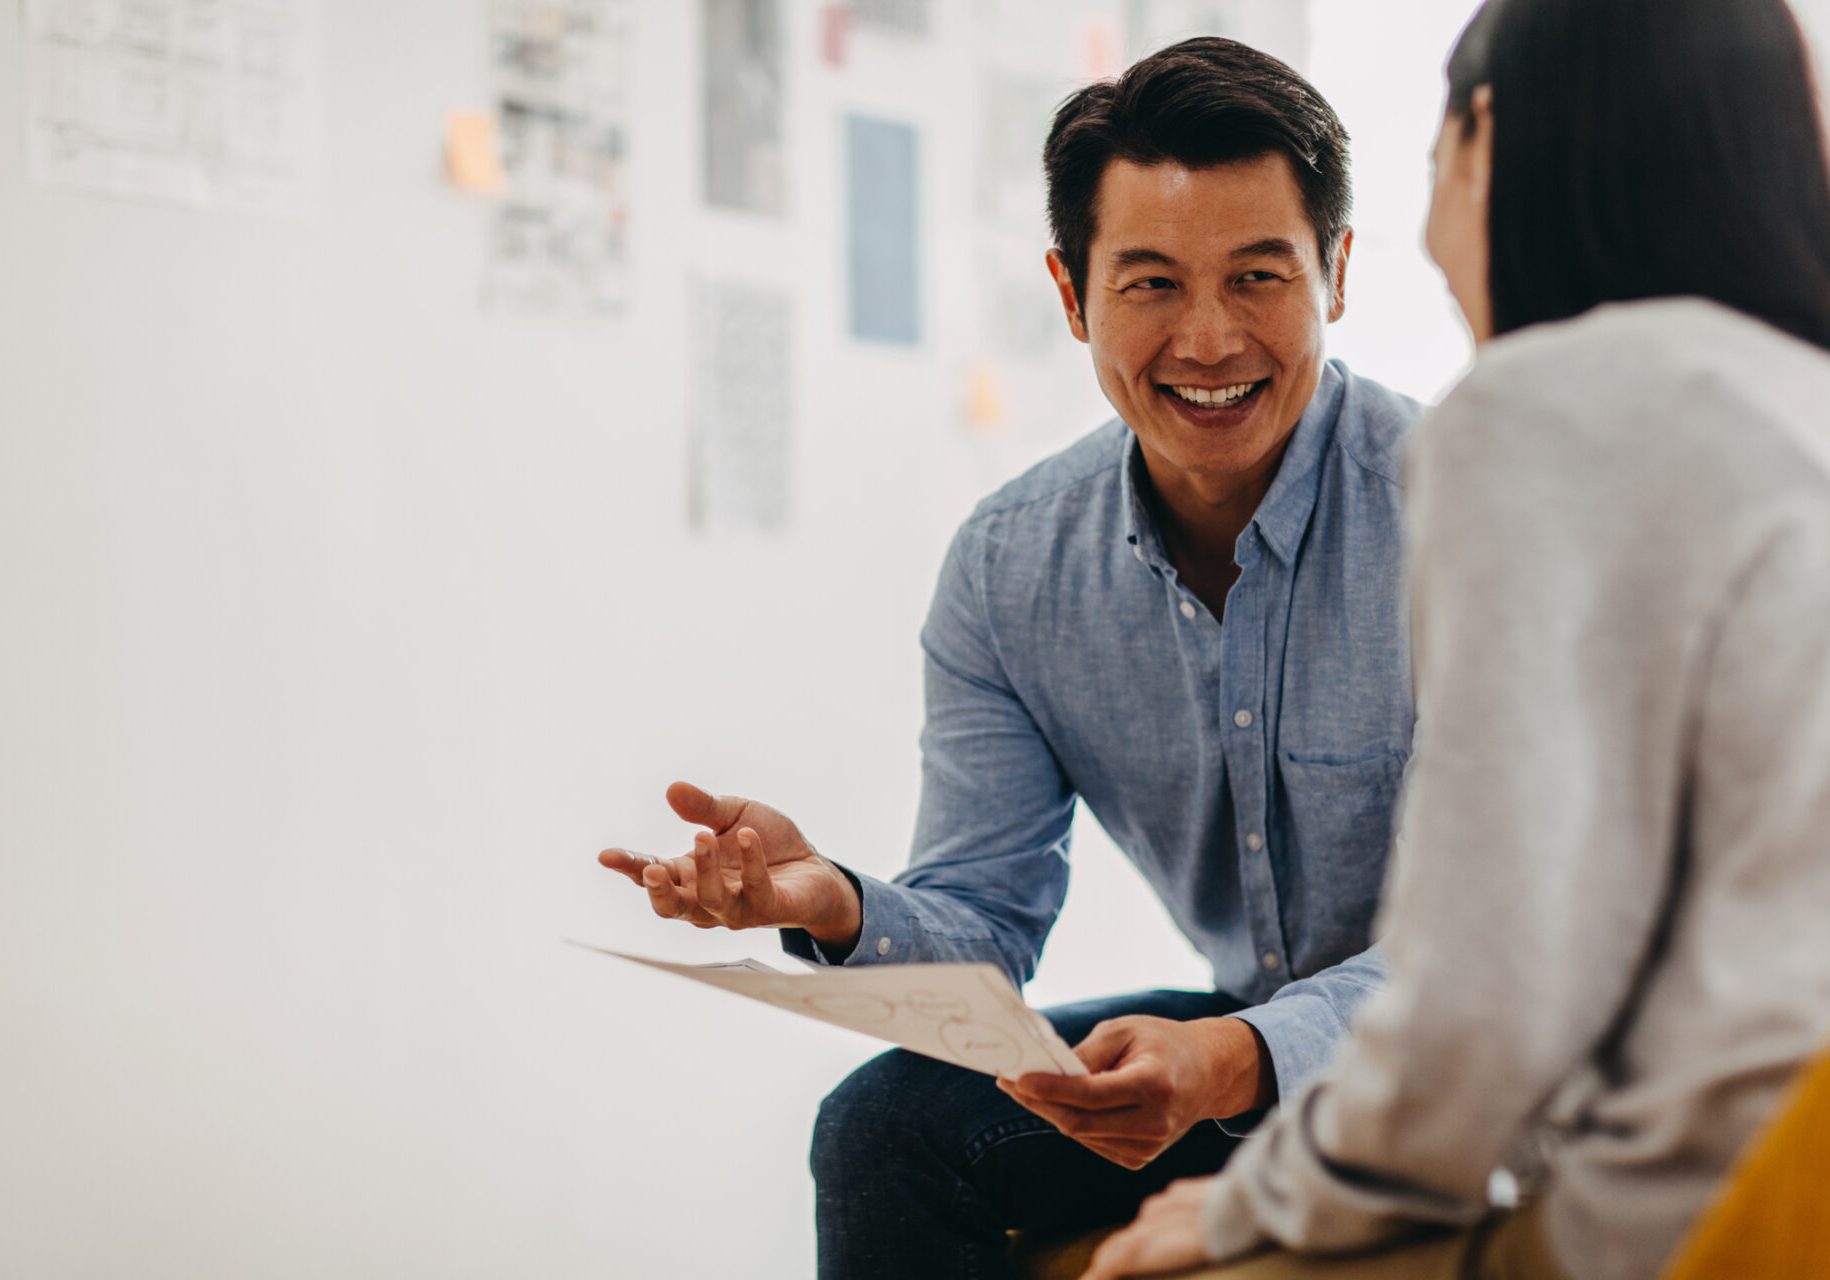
pixel 704 808
pixel 1104 1046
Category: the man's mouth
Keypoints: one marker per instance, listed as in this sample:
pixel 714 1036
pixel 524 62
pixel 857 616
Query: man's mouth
pixel 1213 402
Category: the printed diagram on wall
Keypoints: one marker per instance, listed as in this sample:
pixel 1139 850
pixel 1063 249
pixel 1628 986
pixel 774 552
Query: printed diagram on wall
pixel 204 102
pixel 559 243
pixel 744 165
pixel 738 407
pixel 882 230
pixel 967 1014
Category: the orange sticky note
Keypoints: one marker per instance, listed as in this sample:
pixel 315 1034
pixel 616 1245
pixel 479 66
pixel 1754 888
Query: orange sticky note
pixel 984 399
pixel 472 157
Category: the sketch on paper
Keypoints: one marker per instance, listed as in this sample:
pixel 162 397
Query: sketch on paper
pixel 882 230
pixel 744 165
pixel 204 102
pixel 563 69
pixel 967 1014
pixel 738 407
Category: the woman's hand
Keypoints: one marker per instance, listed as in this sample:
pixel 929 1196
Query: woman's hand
pixel 1165 1237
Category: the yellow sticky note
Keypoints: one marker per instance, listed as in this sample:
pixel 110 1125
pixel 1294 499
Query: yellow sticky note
pixel 984 399
pixel 472 157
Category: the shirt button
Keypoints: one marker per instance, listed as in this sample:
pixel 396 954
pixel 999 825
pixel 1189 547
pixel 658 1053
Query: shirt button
pixel 1188 610
pixel 1254 842
pixel 1271 961
pixel 883 946
pixel 1243 719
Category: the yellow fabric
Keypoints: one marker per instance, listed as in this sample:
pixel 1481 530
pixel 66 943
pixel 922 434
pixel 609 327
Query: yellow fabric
pixel 1773 1216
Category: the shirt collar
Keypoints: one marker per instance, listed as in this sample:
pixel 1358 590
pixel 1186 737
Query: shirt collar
pixel 1283 514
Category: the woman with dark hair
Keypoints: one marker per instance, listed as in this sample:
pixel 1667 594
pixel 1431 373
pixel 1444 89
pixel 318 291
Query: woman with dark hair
pixel 1604 915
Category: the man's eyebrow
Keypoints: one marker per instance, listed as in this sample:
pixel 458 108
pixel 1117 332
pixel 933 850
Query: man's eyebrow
pixel 1272 247
pixel 1140 257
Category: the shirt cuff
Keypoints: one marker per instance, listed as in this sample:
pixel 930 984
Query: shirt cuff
pixel 1301 1032
pixel 879 942
pixel 1227 1230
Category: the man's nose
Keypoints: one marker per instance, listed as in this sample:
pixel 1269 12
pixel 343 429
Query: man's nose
pixel 1208 332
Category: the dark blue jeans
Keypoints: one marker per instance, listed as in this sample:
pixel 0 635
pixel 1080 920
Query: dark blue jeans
pixel 920 1167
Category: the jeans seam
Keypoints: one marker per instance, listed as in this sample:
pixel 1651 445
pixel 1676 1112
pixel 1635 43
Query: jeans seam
pixel 1004 1131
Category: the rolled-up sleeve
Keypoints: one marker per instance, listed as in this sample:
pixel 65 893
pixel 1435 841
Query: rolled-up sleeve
pixel 1535 844
pixel 989 868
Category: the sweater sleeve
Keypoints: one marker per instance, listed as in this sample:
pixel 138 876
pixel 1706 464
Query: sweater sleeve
pixel 1555 636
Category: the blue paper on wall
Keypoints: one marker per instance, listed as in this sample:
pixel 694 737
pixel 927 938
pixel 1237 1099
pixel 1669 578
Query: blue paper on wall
pixel 882 235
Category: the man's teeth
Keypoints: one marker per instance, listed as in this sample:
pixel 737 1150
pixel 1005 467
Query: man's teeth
pixel 1224 395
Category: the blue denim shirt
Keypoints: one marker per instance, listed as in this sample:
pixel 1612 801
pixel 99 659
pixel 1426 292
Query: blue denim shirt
pixel 1249 769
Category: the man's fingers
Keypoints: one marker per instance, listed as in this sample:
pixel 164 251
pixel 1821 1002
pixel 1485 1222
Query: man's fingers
pixel 708 877
pixel 630 864
pixel 1108 1091
pixel 1105 1045
pixel 702 807
pixel 1128 1124
pixel 753 870
pixel 663 894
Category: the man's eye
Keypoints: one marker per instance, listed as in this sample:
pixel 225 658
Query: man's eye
pixel 1153 283
pixel 1258 277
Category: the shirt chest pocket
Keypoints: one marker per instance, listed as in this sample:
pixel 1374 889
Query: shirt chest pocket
pixel 1337 816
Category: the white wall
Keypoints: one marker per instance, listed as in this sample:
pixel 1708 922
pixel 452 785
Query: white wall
pixel 345 622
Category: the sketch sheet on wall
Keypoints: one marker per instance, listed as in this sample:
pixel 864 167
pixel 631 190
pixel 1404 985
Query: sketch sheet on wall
pixel 203 102
pixel 563 72
pixel 739 407
pixel 883 230
pixel 743 89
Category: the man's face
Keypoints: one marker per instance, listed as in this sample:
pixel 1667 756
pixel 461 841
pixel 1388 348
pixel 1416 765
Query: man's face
pixel 1206 304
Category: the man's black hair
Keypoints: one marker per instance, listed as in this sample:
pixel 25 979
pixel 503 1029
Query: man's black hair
pixel 1646 149
pixel 1200 103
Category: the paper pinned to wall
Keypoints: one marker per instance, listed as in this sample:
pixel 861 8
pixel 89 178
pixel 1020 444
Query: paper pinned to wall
pixel 742 68
pixel 564 76
pixel 739 405
pixel 966 1014
pixel 204 102
pixel 882 230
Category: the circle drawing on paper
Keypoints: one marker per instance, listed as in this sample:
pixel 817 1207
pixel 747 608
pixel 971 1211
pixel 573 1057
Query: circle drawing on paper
pixel 983 1047
pixel 938 1005
pixel 852 1008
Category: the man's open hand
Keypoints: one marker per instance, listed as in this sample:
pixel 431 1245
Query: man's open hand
pixel 1152 1079
pixel 751 869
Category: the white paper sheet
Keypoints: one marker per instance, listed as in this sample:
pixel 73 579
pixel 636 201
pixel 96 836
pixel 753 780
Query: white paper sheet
pixel 966 1014
pixel 739 413
pixel 206 102
pixel 563 73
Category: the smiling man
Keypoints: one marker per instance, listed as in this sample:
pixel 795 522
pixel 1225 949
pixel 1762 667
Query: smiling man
pixel 1190 621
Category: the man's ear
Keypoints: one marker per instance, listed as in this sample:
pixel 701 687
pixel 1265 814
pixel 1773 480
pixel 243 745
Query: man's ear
pixel 1337 304
pixel 1064 285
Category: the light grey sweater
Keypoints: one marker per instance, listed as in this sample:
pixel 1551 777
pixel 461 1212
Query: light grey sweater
pixel 1608 915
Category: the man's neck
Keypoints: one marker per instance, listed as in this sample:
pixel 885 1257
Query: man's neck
pixel 1201 518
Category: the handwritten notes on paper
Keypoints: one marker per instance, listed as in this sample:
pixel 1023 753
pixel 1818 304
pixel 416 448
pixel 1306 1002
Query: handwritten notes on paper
pixel 966 1014
pixel 205 102
pixel 564 71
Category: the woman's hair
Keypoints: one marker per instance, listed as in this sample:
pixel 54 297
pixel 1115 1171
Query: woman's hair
pixel 1650 148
